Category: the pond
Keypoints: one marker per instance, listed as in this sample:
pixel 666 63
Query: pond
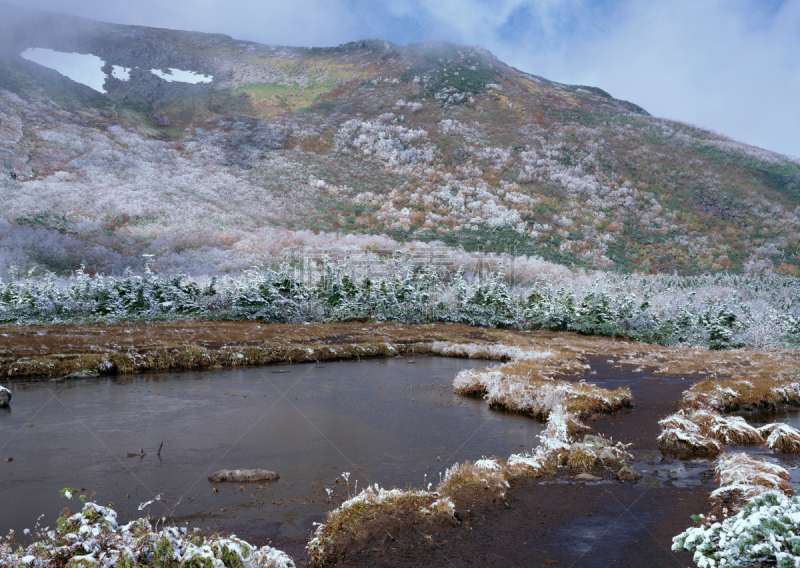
pixel 390 421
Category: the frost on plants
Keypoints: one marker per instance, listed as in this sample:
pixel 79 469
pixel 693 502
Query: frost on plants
pixel 703 432
pixel 737 472
pixel 781 437
pixel 482 473
pixel 346 527
pixel 766 532
pixel 93 538
pixel 681 436
pixel 525 384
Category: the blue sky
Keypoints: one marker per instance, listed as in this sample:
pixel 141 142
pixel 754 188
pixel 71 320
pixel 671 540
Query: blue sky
pixel 726 65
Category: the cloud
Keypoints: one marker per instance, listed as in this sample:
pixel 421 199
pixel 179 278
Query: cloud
pixel 725 65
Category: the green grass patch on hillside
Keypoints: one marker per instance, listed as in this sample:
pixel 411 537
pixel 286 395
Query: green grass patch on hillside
pixel 458 76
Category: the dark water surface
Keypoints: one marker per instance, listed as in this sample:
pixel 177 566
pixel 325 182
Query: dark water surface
pixel 385 421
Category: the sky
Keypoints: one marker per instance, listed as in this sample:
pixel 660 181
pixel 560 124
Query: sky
pixel 731 66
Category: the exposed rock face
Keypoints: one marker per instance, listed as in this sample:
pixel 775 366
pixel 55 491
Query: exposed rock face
pixel 5 397
pixel 241 475
pixel 628 474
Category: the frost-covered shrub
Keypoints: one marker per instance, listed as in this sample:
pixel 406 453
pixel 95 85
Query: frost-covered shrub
pixel 716 312
pixel 93 538
pixel 766 532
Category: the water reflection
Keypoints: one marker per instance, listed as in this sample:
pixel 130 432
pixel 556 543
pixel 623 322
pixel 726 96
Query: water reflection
pixel 386 421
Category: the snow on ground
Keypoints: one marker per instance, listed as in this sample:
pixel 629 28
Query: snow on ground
pixel 83 68
pixel 121 73
pixel 182 76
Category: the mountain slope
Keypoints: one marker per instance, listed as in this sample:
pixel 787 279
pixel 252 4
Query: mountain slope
pixel 424 142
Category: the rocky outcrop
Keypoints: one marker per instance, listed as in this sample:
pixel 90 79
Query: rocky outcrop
pixel 5 397
pixel 244 475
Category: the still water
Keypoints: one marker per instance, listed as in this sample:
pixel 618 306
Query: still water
pixel 390 421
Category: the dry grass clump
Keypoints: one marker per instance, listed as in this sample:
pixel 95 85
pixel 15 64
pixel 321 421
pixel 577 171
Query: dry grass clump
pixel 534 397
pixel 781 437
pixel 527 387
pixel 739 472
pixel 702 432
pixel 581 457
pixel 491 351
pixel 726 429
pixel 347 525
pixel 491 473
pixel 681 436
pixel 738 379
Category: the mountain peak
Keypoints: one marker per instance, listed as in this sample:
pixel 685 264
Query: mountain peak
pixel 119 141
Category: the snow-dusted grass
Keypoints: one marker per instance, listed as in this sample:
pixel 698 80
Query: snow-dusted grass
pixel 503 387
pixel 491 351
pixel 525 383
pixel 343 522
pixel 738 472
pixel 766 532
pixel 781 437
pixel 727 429
pixel 703 432
pixel 488 472
pixel 760 379
pixel 681 434
pixel 93 538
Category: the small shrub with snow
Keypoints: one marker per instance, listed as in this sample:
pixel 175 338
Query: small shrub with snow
pixel 766 532
pixel 92 538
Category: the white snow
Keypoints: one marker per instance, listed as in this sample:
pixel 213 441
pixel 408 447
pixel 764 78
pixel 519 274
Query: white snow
pixel 182 76
pixel 121 73
pixel 83 68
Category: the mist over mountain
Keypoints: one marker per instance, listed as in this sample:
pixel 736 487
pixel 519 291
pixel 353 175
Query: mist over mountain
pixel 210 154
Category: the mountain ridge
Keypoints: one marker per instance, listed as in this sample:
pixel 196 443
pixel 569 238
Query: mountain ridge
pixel 425 142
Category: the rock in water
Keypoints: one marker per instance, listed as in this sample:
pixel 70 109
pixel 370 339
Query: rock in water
pixel 5 397
pixel 244 475
pixel 596 443
pixel 628 474
pixel 85 374
pixel 607 456
pixel 587 477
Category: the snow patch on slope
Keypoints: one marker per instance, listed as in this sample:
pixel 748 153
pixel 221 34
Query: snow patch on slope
pixel 83 68
pixel 182 76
